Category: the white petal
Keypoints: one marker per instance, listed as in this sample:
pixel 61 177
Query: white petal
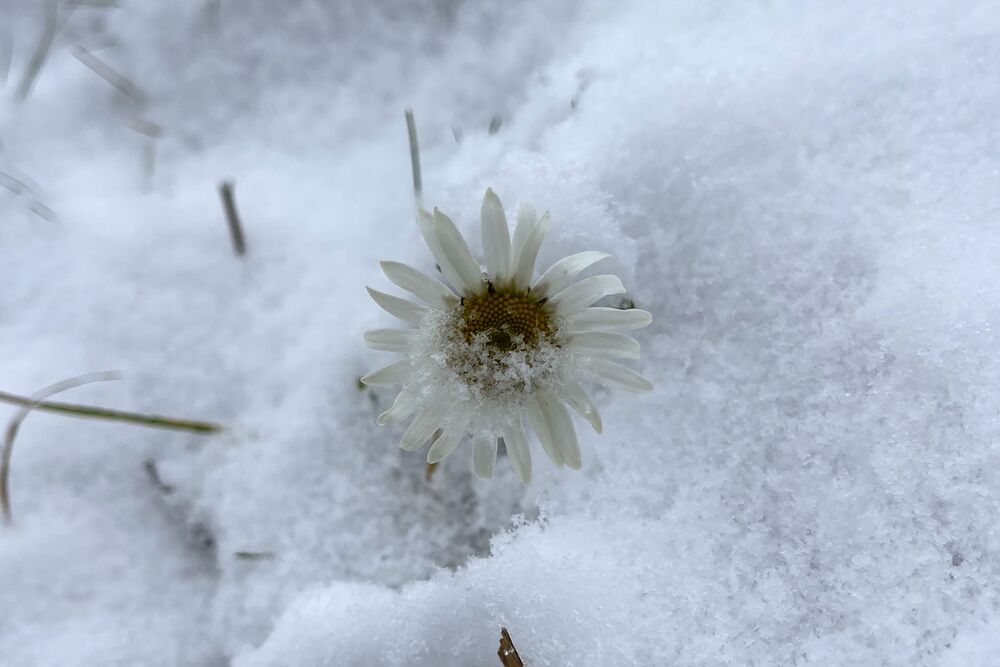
pixel 428 229
pixel 563 432
pixel 528 238
pixel 516 444
pixel 398 372
pixel 496 237
pixel 612 374
pixel 405 310
pixel 527 219
pixel 422 427
pixel 596 319
pixel 389 340
pixel 605 344
pixel 419 284
pixel 406 402
pixel 581 294
pixel 446 443
pixel 577 398
pixel 484 456
pixel 536 417
pixel 457 251
pixel 562 272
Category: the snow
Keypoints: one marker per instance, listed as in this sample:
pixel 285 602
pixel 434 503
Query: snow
pixel 804 195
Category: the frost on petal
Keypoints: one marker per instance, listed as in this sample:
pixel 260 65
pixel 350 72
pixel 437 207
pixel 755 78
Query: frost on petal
pixel 605 344
pixel 577 398
pixel 406 402
pixel 405 310
pixel 398 372
pixel 597 319
pixel 418 283
pixel 496 237
pixel 612 374
pixel 528 238
pixel 390 340
pixel 579 295
pixel 559 275
pixel 457 251
pixel 516 444
pixel 446 442
pixel 484 456
pixel 422 427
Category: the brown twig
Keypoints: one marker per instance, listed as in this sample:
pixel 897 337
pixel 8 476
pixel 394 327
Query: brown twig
pixel 507 653
pixel 411 134
pixel 15 424
pixel 233 218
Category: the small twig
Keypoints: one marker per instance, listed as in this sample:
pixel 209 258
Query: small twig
pixel 41 50
pixel 89 412
pixel 495 123
pixel 233 218
pixel 15 424
pixel 507 653
pixel 253 555
pixel 411 133
pixel 429 473
pixel 154 476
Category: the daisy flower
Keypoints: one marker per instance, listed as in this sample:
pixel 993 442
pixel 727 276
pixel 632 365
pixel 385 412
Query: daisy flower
pixel 493 349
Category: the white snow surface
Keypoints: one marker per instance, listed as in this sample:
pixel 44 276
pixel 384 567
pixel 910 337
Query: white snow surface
pixel 805 195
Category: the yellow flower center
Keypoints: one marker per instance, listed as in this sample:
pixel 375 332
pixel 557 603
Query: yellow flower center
pixel 504 318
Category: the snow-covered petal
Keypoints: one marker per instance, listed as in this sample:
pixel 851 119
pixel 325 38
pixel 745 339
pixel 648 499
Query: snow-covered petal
pixel 405 310
pixel 446 442
pixel 419 284
pixel 605 344
pixel 536 417
pixel 516 444
pixel 389 340
pixel 406 402
pixel 496 237
pixel 484 456
pixel 559 429
pixel 428 229
pixel 559 275
pixel 398 372
pixel 612 374
pixel 423 426
pixel 457 251
pixel 583 293
pixel 577 398
pixel 528 238
pixel 597 319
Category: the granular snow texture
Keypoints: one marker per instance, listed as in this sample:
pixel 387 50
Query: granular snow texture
pixel 805 195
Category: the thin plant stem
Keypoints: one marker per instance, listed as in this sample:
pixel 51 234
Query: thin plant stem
pixel 90 412
pixel 15 424
pixel 233 218
pixel 411 133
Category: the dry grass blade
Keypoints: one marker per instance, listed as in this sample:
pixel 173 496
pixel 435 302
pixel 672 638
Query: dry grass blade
pixel 507 653
pixel 109 74
pixel 41 50
pixel 15 424
pixel 6 55
pixel 90 412
pixel 233 218
pixel 411 133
